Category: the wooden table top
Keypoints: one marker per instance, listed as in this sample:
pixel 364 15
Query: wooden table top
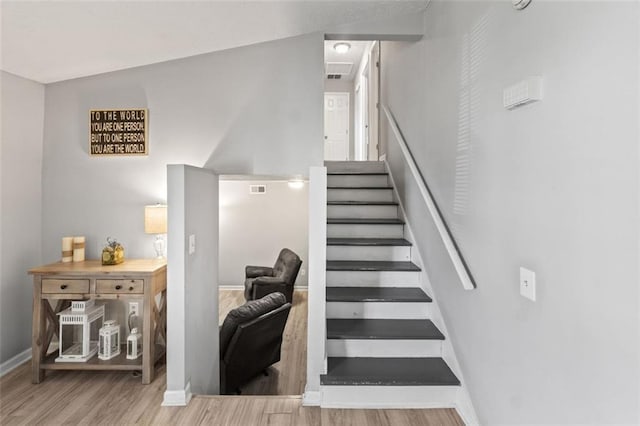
pixel 95 267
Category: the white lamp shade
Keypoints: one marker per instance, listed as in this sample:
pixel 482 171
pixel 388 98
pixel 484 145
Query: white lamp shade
pixel 155 219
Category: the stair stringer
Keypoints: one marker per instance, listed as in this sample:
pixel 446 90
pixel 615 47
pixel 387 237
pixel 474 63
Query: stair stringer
pixel 463 403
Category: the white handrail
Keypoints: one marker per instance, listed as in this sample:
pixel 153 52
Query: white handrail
pixel 458 263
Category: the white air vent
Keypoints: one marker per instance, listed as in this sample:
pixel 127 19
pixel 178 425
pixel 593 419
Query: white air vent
pixel 334 76
pixel 343 68
pixel 257 189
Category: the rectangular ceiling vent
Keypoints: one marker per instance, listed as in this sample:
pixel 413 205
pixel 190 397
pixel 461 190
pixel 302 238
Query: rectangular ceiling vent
pixel 257 189
pixel 343 68
pixel 334 76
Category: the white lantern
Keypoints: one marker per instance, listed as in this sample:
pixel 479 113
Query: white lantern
pixel 134 344
pixel 79 332
pixel 109 340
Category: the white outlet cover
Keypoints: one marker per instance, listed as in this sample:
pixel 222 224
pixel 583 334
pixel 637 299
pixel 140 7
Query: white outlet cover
pixel 528 284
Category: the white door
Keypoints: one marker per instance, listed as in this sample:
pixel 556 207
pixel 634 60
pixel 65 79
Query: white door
pixel 336 126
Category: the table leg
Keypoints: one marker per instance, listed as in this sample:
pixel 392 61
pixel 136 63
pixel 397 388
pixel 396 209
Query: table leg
pixel 148 345
pixel 37 332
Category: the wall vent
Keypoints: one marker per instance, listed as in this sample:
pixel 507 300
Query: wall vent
pixel 257 189
pixel 334 76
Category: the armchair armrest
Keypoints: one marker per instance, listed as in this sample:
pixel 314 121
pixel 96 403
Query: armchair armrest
pixel 265 285
pixel 258 271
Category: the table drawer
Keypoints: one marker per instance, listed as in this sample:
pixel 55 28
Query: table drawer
pixel 51 285
pixel 120 286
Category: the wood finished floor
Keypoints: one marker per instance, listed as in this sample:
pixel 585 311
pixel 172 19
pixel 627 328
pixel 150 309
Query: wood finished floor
pixel 85 397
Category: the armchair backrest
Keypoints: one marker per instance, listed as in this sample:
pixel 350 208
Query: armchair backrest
pixel 287 266
pixel 249 315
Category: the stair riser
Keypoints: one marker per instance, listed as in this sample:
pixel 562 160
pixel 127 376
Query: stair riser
pixel 357 180
pixel 389 396
pixel 355 166
pixel 359 195
pixel 372 279
pixel 390 310
pixel 393 253
pixel 339 230
pixel 368 211
pixel 384 348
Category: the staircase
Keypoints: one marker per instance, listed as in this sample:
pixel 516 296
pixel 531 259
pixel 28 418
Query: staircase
pixel 383 349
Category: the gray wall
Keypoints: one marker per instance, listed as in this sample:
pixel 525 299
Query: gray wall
pixel 345 86
pixel 254 228
pixel 552 186
pixel 251 110
pixel 20 207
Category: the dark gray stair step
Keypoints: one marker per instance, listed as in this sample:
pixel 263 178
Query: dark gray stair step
pixel 385 329
pixel 367 242
pixel 357 173
pixel 370 265
pixel 362 203
pixel 388 372
pixel 376 294
pixel 359 187
pixel 364 221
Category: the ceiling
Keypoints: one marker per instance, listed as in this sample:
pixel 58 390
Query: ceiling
pixel 354 55
pixel 51 40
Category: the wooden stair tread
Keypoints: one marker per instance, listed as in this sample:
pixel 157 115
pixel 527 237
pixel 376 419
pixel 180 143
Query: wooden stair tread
pixel 356 173
pixel 359 187
pixel 362 203
pixel 364 221
pixel 368 242
pixel 388 372
pixel 371 265
pixel 376 294
pixel 385 329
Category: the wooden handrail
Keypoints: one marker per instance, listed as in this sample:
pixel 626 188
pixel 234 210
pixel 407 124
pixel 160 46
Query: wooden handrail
pixel 445 234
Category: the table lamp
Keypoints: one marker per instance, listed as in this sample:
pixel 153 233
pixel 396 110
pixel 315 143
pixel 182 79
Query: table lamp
pixel 155 222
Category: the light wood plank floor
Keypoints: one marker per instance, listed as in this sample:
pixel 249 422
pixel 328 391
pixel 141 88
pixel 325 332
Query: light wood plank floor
pixel 85 397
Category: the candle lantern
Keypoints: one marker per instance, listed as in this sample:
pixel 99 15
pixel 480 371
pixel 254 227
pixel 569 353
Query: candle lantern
pixel 79 331
pixel 109 340
pixel 134 344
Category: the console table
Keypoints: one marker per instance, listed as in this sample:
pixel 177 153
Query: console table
pixel 60 283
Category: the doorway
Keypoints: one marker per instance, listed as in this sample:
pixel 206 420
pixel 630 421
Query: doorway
pixel 351 122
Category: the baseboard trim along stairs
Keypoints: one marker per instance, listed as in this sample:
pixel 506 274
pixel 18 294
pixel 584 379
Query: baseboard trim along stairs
pixel 384 349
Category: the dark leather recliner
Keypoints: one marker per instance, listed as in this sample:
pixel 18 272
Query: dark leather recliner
pixel 262 280
pixel 251 339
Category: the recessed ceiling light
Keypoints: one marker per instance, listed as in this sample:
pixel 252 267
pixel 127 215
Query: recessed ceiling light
pixel 342 47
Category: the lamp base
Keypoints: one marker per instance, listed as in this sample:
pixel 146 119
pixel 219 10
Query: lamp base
pixel 158 245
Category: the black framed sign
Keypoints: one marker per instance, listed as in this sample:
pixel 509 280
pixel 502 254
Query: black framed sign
pixel 118 131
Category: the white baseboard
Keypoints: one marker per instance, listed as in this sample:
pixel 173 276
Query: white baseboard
pixel 465 409
pixel 12 363
pixel 311 398
pixel 177 398
pixel 231 287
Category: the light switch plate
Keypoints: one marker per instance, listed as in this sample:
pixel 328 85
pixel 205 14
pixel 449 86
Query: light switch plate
pixel 528 284
pixel 192 244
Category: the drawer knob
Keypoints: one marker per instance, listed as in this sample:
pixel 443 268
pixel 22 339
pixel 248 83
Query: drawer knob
pixel 118 287
pixel 131 288
pixel 63 286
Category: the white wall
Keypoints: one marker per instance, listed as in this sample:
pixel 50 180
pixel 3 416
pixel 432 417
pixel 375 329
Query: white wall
pixel 251 110
pixel 22 116
pixel 192 286
pixel 551 186
pixel 254 228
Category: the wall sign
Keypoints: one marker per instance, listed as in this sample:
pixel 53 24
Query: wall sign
pixel 118 131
